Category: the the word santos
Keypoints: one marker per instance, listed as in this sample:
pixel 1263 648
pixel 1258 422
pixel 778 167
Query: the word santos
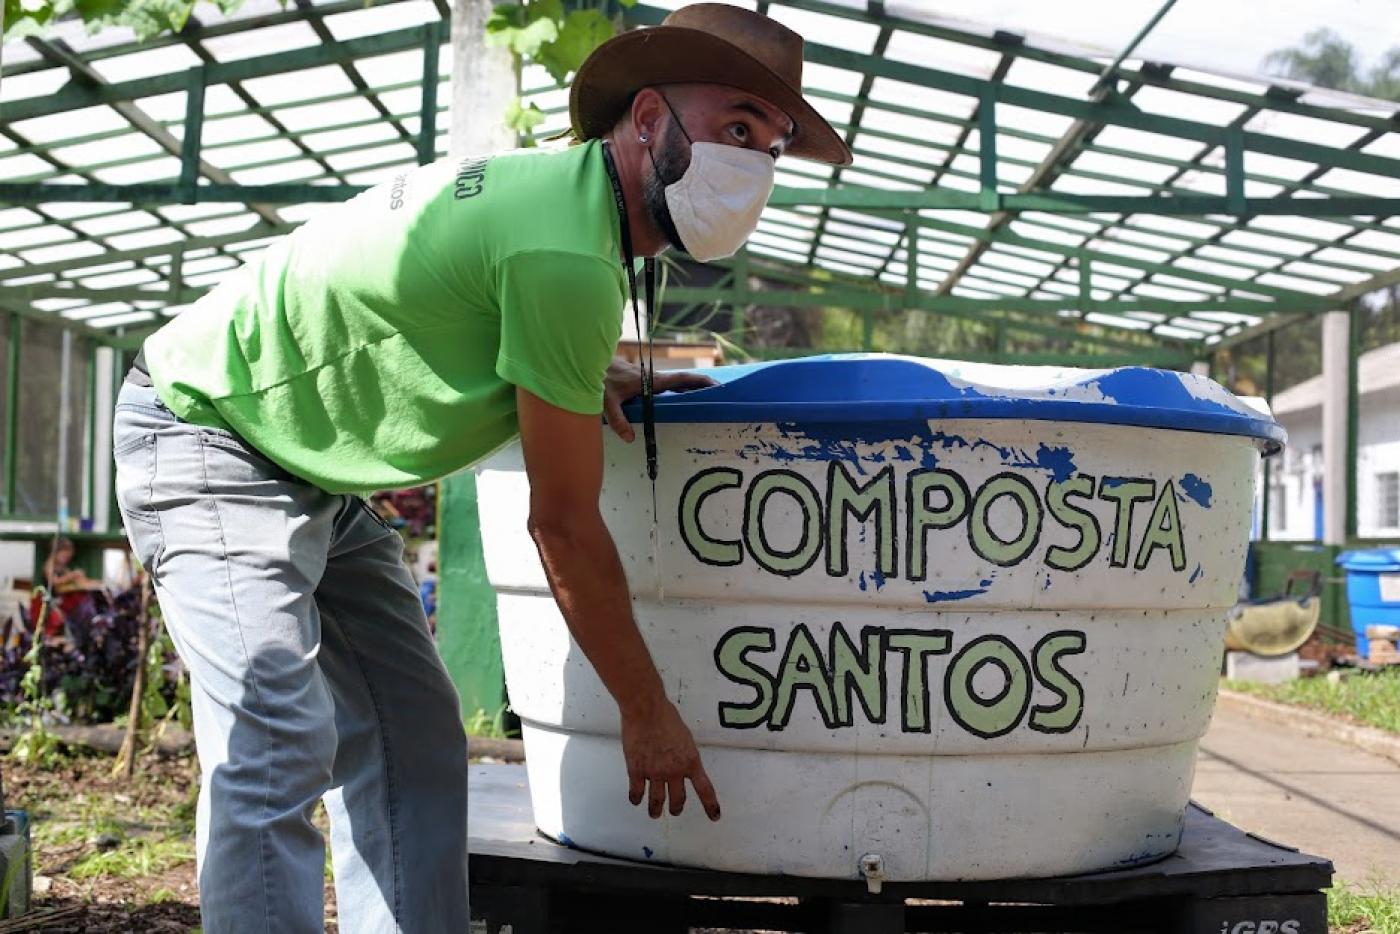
pixel 851 671
pixel 861 674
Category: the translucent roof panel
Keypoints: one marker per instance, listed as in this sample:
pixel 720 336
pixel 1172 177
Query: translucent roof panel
pixel 998 168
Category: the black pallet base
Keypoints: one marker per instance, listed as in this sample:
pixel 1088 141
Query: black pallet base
pixel 1221 881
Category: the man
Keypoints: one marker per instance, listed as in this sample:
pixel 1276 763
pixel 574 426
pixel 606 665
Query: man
pixel 389 342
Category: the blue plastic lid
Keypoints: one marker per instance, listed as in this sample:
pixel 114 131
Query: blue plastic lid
pixel 1375 560
pixel 885 388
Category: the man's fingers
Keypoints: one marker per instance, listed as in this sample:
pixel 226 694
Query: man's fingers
pixel 636 786
pixel 705 791
pixel 618 422
pixel 658 798
pixel 676 790
pixel 681 381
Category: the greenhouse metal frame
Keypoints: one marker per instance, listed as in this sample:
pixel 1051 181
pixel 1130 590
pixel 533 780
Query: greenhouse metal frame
pixel 1112 208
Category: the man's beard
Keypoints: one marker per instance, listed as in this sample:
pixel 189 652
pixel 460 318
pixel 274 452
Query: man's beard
pixel 667 168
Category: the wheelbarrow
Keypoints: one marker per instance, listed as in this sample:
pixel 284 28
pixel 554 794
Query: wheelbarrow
pixel 1278 625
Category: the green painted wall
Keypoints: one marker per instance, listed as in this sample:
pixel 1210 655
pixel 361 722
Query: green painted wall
pixel 466 616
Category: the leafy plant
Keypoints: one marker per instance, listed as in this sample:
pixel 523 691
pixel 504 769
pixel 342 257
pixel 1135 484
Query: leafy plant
pixel 541 32
pixel 35 745
pixel 89 675
pixel 147 18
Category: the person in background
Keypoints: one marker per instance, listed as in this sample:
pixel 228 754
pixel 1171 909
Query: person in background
pixel 67 587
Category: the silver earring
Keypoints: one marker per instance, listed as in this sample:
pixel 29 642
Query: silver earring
pixel 643 137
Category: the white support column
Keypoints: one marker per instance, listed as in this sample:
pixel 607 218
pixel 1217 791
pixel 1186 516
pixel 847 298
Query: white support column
pixel 483 84
pixel 104 398
pixel 1336 329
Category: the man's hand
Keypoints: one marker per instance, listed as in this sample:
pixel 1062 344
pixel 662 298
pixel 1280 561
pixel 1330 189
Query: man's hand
pixel 624 381
pixel 661 751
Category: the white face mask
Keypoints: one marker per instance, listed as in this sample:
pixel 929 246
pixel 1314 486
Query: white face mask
pixel 715 205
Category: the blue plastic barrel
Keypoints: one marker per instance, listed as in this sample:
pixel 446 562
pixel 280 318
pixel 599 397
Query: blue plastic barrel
pixel 1373 590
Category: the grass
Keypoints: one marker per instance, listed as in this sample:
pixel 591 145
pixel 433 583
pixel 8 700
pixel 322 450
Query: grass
pixel 487 725
pixel 134 858
pixel 1370 909
pixel 1372 699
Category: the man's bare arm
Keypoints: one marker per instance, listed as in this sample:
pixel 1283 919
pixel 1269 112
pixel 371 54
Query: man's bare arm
pixel 564 460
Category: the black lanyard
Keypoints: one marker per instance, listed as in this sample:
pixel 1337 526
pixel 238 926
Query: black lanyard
pixel 648 366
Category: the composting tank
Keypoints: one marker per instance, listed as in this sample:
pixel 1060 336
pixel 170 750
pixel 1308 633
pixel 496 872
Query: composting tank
pixel 965 620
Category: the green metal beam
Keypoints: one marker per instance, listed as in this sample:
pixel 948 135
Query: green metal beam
pixel 1106 112
pixel 158 193
pixel 869 302
pixel 89 487
pixel 1012 45
pixel 255 232
pixel 854 197
pixel 1050 323
pixel 865 198
pixel 1045 358
pixel 12 413
pixel 119 293
pixel 194 127
pixel 74 96
pixel 427 114
pixel 1287 299
pixel 195 32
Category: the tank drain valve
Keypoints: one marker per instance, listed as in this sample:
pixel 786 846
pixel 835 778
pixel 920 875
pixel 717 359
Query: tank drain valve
pixel 872 867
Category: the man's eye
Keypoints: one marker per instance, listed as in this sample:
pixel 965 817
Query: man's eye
pixel 740 132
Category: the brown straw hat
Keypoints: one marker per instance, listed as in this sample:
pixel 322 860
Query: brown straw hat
pixel 710 43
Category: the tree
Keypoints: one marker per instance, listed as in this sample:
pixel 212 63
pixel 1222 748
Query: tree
pixel 1327 60
pixel 544 33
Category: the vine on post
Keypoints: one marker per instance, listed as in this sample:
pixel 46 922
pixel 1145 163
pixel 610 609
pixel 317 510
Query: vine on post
pixel 147 18
pixel 542 32
pixel 35 744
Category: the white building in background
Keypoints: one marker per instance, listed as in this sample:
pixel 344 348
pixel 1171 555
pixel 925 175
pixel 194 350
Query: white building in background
pixel 1295 494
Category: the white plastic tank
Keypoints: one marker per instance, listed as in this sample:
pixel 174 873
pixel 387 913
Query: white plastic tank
pixel 967 619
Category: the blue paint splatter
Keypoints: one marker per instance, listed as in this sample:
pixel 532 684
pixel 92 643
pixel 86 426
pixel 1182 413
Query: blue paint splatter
pixel 1058 460
pixel 648 851
pixel 943 596
pixel 862 582
pixel 903 441
pixel 841 441
pixel 564 839
pixel 1108 483
pixel 1047 583
pixel 1196 488
pixel 985 582
pixel 1195 575
pixel 879 578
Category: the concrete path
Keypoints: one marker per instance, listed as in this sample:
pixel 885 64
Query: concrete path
pixel 1324 797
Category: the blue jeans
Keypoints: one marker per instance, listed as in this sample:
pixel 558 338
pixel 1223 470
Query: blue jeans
pixel 314 678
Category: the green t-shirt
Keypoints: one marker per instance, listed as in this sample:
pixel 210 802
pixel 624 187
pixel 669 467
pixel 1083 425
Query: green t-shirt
pixel 378 345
